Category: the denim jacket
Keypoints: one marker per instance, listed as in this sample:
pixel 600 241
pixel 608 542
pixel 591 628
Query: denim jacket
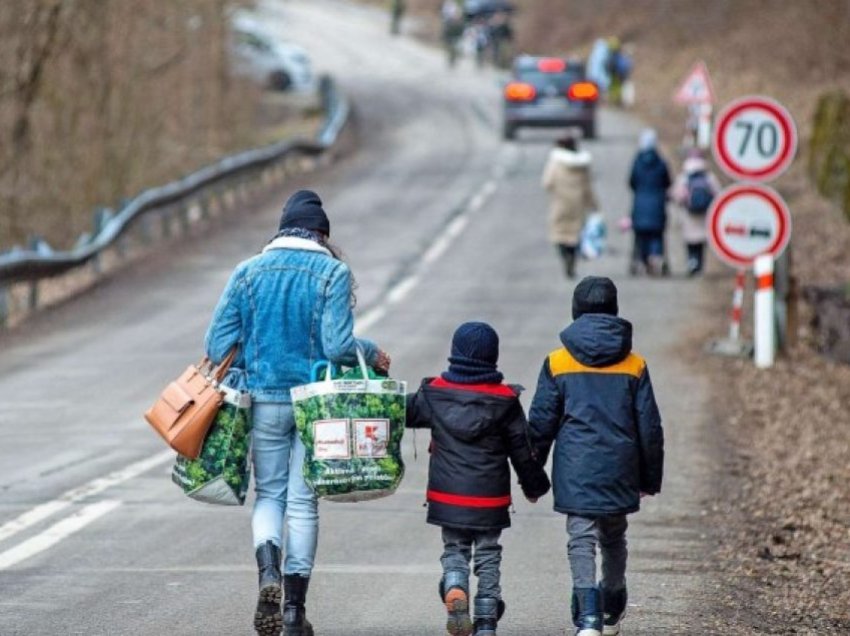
pixel 286 309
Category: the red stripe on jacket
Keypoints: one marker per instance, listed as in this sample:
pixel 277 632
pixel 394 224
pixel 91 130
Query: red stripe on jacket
pixel 490 389
pixel 468 502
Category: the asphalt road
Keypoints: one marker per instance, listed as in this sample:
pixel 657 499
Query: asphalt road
pixel 442 223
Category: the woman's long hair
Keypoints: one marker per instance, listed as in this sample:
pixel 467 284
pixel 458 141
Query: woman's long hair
pixel 322 240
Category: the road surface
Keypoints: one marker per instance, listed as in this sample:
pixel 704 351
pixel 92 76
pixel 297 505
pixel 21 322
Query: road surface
pixel 442 223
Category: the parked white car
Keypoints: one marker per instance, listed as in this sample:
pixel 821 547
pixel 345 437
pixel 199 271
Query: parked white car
pixel 275 64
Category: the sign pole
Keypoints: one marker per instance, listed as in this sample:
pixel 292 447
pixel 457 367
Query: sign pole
pixel 765 329
pixel 737 306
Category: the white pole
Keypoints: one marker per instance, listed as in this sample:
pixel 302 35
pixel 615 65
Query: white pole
pixel 704 126
pixel 765 340
pixel 737 306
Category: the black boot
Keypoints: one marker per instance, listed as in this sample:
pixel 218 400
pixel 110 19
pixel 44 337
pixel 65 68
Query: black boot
pixel 295 621
pixel 488 611
pixel 268 620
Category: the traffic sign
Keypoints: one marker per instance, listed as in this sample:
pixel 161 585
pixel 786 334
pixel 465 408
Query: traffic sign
pixel 747 220
pixel 755 139
pixel 696 89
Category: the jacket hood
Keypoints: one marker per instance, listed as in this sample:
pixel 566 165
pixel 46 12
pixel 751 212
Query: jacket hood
pixel 466 414
pixel 580 159
pixel 649 156
pixel 694 164
pixel 598 340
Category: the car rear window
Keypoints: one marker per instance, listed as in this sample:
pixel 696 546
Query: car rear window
pixel 541 80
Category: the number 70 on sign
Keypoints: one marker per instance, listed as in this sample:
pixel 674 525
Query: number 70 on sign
pixel 755 139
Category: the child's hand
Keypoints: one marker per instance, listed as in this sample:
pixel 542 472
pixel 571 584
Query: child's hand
pixel 532 499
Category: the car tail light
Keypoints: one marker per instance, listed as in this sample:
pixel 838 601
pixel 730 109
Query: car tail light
pixel 520 92
pixel 551 65
pixel 583 92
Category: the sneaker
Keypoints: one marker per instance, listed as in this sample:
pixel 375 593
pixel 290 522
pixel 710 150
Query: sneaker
pixel 587 611
pixel 458 621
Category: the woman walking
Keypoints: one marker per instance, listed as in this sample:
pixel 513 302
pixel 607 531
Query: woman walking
pixel 694 190
pixel 285 309
pixel 567 179
pixel 649 180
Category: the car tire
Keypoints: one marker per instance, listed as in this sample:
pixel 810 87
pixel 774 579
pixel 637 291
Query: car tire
pixel 508 132
pixel 589 131
pixel 279 81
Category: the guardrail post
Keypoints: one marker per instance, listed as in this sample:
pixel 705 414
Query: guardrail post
pixel 99 221
pixel 183 215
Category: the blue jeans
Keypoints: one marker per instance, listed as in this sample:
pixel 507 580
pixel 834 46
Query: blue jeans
pixel 278 456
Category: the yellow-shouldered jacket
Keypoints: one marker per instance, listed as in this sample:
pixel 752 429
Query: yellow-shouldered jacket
pixel 595 402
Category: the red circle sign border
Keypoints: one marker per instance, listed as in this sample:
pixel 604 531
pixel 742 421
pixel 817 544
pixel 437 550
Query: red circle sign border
pixel 772 170
pixel 775 201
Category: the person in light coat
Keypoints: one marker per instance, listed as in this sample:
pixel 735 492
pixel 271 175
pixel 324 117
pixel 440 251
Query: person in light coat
pixel 693 207
pixel 567 179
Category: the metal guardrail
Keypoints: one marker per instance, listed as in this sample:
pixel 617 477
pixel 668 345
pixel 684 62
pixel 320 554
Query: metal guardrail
pixel 40 261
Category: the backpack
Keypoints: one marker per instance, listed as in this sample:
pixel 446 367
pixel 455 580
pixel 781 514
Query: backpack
pixel 700 193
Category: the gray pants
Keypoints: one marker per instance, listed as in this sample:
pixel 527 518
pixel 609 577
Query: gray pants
pixel 487 558
pixel 610 534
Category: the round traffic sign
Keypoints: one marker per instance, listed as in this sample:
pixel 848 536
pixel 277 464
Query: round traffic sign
pixel 746 221
pixel 755 139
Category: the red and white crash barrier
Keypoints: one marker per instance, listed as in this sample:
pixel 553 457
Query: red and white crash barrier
pixel 765 329
pixel 737 306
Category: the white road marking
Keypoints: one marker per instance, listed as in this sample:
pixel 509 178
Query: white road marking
pixel 94 487
pixel 57 532
pixel 401 290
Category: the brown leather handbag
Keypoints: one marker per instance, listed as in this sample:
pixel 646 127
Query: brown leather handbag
pixel 187 407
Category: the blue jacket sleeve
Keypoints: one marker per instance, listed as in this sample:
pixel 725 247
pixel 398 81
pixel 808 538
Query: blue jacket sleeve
pixel 532 478
pixel 225 328
pixel 338 341
pixel 651 436
pixel 546 413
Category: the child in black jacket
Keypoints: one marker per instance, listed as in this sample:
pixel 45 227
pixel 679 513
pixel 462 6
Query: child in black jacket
pixel 476 423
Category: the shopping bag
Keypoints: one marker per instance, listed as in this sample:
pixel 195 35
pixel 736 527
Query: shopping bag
pixel 222 472
pixel 351 426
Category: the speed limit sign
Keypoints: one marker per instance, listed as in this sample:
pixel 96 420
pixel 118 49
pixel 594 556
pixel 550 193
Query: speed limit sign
pixel 755 139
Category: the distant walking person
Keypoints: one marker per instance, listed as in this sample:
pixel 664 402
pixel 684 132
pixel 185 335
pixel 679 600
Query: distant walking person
pixel 286 308
pixel 567 179
pixel 397 10
pixel 595 402
pixel 476 423
pixel 694 190
pixel 649 181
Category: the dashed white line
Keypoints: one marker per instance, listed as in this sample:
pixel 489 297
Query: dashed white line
pixel 398 292
pixel 94 487
pixel 57 532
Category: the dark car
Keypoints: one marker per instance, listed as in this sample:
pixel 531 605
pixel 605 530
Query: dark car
pixel 549 92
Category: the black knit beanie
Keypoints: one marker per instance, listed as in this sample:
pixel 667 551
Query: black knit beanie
pixel 475 353
pixel 595 295
pixel 304 210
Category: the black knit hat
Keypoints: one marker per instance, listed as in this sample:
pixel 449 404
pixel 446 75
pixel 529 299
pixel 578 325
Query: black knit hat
pixel 304 210
pixel 595 295
pixel 475 353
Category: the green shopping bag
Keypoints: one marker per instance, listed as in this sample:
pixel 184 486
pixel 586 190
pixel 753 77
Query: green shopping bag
pixel 351 427
pixel 222 472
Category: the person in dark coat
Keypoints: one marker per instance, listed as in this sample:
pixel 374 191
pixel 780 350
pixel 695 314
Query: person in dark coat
pixel 649 180
pixel 477 423
pixel 595 402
